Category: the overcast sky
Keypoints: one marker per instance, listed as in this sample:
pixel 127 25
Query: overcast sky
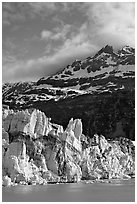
pixel 41 38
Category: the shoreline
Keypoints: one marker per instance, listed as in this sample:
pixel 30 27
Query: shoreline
pixel 96 181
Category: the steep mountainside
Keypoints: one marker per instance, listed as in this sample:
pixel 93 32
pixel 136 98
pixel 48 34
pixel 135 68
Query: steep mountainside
pixel 105 71
pixel 99 90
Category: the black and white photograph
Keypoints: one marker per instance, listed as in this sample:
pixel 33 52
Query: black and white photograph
pixel 68 101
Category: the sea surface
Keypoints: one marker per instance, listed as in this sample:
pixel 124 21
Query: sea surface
pixel 116 191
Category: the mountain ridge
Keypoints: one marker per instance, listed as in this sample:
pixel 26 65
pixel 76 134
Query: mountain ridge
pixel 97 89
pixel 91 67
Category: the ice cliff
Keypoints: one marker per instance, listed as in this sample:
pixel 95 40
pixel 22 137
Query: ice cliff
pixel 36 151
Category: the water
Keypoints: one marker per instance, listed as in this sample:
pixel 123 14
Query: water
pixel 98 192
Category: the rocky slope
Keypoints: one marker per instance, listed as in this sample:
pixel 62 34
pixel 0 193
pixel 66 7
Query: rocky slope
pixel 105 71
pixel 100 90
pixel 37 151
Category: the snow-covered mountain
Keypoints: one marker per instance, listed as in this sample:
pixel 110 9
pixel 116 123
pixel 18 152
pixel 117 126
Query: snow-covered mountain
pixel 99 89
pixel 106 71
pixel 101 72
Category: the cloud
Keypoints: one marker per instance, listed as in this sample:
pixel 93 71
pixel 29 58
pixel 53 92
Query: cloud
pixel 42 6
pixel 77 46
pixel 107 23
pixel 13 12
pixel 42 9
pixel 46 34
pixel 8 51
pixel 11 50
pixel 7 58
pixel 58 33
pixel 111 23
pixel 20 11
pixel 36 68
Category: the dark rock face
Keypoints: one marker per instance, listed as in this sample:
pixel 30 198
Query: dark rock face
pixel 101 114
pixel 100 90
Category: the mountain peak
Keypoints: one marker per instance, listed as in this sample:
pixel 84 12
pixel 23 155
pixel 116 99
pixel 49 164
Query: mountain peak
pixel 107 49
pixel 126 50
